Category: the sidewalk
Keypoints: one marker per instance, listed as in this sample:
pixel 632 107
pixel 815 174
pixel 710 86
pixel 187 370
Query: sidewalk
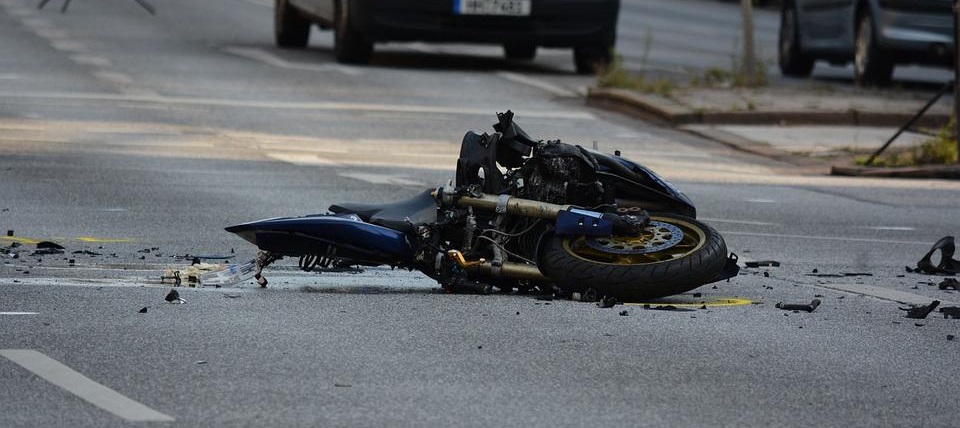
pixel 801 126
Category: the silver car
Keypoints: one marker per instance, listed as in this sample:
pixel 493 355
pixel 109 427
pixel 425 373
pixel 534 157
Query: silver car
pixel 875 35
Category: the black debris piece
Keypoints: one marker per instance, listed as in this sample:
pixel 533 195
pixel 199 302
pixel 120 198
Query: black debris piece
pixel 766 274
pixel 607 302
pixel 667 308
pixel 703 307
pixel 815 270
pixel 951 337
pixel 231 295
pixel 545 297
pixel 810 307
pixel 947 265
pixel 950 312
pixel 144 310
pixel 921 312
pixel 344 385
pixel 762 263
pixel 15 244
pixel 919 324
pixel 48 244
pixel 624 313
pixel 825 275
pixel 87 252
pixel 195 261
pixel 697 295
pixel 173 297
pixel 857 274
pixel 909 270
pixel 9 233
pixel 949 284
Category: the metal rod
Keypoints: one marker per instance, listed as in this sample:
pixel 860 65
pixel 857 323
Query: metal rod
pixel 910 123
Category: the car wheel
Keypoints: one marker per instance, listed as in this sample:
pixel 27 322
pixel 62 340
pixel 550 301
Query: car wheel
pixel 591 60
pixel 792 61
pixel 349 45
pixel 290 28
pixel 871 65
pixel 520 52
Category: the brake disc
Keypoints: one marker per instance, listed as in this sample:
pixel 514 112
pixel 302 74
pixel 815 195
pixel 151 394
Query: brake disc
pixel 657 236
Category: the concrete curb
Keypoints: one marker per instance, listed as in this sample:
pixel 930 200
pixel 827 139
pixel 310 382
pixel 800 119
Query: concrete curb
pixel 647 106
pixel 926 171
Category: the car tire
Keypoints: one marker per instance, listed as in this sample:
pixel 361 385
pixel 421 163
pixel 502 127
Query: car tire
pixel 519 52
pixel 871 65
pixel 592 60
pixel 290 28
pixel 349 45
pixel 793 62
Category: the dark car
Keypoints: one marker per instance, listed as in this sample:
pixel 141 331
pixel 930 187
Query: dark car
pixel 520 26
pixel 875 35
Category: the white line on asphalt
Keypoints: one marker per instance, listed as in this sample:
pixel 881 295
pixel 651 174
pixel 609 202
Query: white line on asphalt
pixel 304 159
pixel 18 313
pixel 381 179
pixel 68 46
pixel 77 384
pixel 762 201
pixel 219 102
pixel 268 58
pixel 826 238
pixel 536 83
pixel 91 60
pixel 882 293
pixel 898 228
pixel 264 3
pixel 752 223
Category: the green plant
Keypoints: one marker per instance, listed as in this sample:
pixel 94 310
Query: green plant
pixel 615 75
pixel 939 149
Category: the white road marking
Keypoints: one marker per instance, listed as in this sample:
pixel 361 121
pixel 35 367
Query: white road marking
pixel 91 60
pixel 18 313
pixel 329 106
pixel 264 3
pixel 536 83
pixel 751 223
pixel 381 179
pixel 883 293
pixel 305 159
pixel 897 228
pixel 761 201
pixel 271 59
pixel 826 238
pixel 68 46
pixel 77 384
pixel 6 76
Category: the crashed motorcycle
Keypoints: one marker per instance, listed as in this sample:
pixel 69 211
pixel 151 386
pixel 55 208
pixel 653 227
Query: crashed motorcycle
pixel 521 214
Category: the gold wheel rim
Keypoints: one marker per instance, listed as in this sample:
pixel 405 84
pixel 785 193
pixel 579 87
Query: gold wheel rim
pixel 693 240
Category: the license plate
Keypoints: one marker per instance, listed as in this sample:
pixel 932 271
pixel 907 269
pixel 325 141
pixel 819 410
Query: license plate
pixel 492 7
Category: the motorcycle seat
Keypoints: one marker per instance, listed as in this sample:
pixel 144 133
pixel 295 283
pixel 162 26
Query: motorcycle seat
pixel 400 215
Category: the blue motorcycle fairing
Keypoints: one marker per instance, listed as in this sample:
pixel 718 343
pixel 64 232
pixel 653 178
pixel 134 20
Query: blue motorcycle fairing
pixel 313 234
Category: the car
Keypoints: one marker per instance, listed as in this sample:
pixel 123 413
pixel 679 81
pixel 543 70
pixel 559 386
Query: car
pixel 876 35
pixel 520 26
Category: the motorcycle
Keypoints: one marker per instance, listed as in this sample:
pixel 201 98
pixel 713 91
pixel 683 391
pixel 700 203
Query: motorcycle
pixel 522 214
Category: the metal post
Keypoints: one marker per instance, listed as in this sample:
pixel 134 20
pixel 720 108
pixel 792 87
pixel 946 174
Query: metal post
pixel 749 56
pixel 956 75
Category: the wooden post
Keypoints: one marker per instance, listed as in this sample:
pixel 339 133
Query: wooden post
pixel 749 56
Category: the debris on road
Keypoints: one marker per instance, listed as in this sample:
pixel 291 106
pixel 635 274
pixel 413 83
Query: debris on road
pixel 825 275
pixel 45 248
pixel 951 337
pixel 667 308
pixel 950 312
pixel 607 302
pixel 921 312
pixel 810 307
pixel 143 310
pixel 174 297
pixel 762 263
pixel 624 313
pixel 856 274
pixel 950 283
pixel 947 265
pixel 87 252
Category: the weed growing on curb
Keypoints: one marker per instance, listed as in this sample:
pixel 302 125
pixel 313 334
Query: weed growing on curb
pixel 941 149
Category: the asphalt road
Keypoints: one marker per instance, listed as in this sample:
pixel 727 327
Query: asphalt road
pixel 140 137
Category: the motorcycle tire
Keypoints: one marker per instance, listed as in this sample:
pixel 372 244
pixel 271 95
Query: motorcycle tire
pixel 655 264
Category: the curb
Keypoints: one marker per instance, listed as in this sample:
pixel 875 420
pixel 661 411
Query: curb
pixel 928 171
pixel 648 106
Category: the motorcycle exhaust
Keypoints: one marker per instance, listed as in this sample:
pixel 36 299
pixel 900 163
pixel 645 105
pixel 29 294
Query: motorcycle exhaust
pixel 504 204
pixel 505 269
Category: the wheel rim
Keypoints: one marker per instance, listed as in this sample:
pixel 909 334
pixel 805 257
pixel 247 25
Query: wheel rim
pixel 862 54
pixel 662 240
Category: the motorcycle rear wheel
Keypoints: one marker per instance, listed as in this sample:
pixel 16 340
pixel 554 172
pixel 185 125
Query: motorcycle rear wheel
pixel 674 254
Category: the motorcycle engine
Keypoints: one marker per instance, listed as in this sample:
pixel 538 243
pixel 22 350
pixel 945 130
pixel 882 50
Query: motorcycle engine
pixel 561 173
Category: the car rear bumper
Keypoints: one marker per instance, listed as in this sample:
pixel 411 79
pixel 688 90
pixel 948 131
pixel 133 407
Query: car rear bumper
pixel 919 36
pixel 557 23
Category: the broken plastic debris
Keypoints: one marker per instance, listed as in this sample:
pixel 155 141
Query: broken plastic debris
pixel 624 313
pixel 47 248
pixel 174 297
pixel 948 265
pixel 762 263
pixel 921 312
pixel 666 308
pixel 607 302
pixel 230 275
pixel 143 310
pixel 799 307
pixel 950 283
pixel 950 312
